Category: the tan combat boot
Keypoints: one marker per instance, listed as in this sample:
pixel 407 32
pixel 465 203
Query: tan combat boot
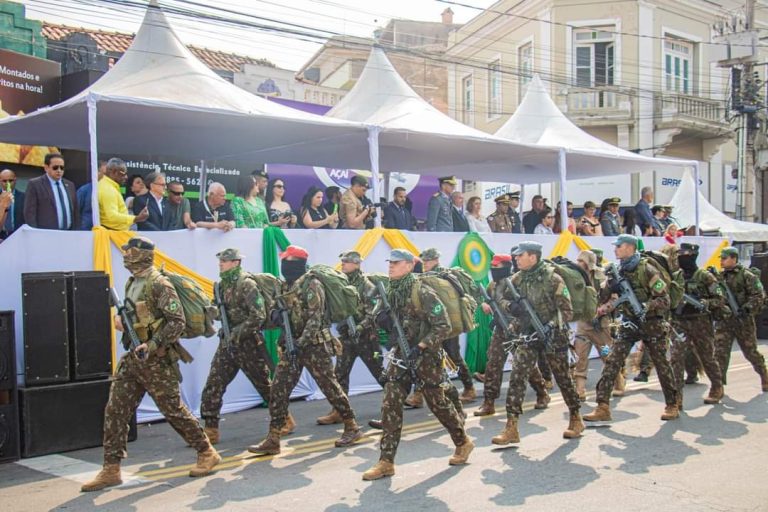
pixel 380 470
pixel 109 476
pixel 213 434
pixel 416 400
pixel 461 455
pixel 619 385
pixel 269 446
pixel 601 413
pixel 671 412
pixel 351 434
pixel 548 384
pixel 486 409
pixel 679 401
pixel 206 461
pixel 715 395
pixel 542 399
pixel 289 427
pixel 509 435
pixel 468 395
pixel 331 418
pixel 575 427
pixel 581 387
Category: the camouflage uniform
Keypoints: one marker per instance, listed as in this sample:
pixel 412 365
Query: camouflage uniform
pixel 428 326
pixel 245 309
pixel 366 344
pixel 748 291
pixel 306 303
pixel 350 205
pixel 650 290
pixel 698 329
pixel 160 323
pixel 500 222
pixel 547 293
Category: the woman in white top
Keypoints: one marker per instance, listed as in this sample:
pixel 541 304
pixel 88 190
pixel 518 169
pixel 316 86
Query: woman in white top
pixel 477 223
pixel 545 224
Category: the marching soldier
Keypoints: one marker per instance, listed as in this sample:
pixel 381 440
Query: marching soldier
pixel 695 324
pixel 501 268
pixel 499 221
pixel 424 329
pixel 548 295
pixel 314 344
pixel 364 341
pixel 439 209
pixel 651 291
pixel 244 349
pixel 749 295
pixel 152 368
pixel 514 216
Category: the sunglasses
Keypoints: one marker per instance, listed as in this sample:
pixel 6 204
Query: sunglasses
pixel 57 167
pixel 13 180
pixel 173 192
pixel 279 186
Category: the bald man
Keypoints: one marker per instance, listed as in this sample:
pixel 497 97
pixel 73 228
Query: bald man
pixel 12 202
pixel 214 211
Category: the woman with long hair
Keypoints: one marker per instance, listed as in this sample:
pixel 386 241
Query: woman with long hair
pixel 279 211
pixel 313 215
pixel 589 224
pixel 475 219
pixel 247 207
pixel 557 227
pixel 135 187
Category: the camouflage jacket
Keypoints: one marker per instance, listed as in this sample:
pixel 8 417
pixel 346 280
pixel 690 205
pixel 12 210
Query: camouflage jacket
pixel 704 287
pixel 368 295
pixel 650 289
pixel 306 302
pixel 245 304
pixel 746 288
pixel 547 293
pixel 503 297
pixel 159 316
pixel 429 325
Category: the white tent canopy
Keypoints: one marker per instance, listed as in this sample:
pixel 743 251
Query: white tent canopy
pixel 711 218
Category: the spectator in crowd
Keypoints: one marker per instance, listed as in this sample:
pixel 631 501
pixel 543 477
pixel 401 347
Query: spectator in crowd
pixel 439 216
pixel 499 221
pixel 672 233
pixel 332 199
pixel 475 220
pixel 643 216
pixel 352 213
pixel 532 218
pixel 313 215
pixel 589 224
pixel 396 215
pixel 610 221
pixel 262 179
pixel 113 213
pixel 136 188
pixel 214 212
pixel 460 222
pixel 155 202
pixel 512 213
pixel 179 211
pixel 557 226
pixel 367 203
pixel 668 218
pixel 280 212
pixel 547 220
pixel 11 204
pixel 659 215
pixel 630 223
pixel 50 201
pixel 84 201
pixel 248 208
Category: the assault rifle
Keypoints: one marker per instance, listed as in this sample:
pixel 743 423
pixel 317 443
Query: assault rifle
pixel 290 344
pixel 735 309
pixel 225 332
pixel 126 310
pixel 691 301
pixel 543 334
pixel 402 341
pixel 498 314
pixel 350 321
pixel 627 294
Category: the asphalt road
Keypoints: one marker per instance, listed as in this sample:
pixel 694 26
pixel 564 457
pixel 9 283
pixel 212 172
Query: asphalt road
pixel 712 458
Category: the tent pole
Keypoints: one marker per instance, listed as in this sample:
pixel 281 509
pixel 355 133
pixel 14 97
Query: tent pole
pixel 373 150
pixel 203 179
pixel 696 197
pixel 91 102
pixel 563 193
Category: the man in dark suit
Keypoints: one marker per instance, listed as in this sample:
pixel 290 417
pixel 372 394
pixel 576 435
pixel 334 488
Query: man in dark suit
pixel 460 222
pixel 13 216
pixel 50 201
pixel 396 214
pixel 155 202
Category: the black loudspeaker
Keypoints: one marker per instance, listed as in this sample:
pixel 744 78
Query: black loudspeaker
pixel 90 350
pixel 46 331
pixel 7 351
pixel 9 426
pixel 64 417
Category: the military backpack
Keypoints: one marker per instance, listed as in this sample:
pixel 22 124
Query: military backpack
pixel 199 313
pixel 580 288
pixel 341 298
pixel 675 281
pixel 270 287
pixel 456 290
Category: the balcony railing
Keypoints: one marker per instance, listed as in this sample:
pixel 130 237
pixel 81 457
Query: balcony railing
pixel 597 100
pixel 671 105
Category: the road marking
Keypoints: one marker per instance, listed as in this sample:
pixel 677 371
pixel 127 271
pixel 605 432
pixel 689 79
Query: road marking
pixel 74 469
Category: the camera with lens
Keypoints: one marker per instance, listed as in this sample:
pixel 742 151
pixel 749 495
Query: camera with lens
pixel 275 216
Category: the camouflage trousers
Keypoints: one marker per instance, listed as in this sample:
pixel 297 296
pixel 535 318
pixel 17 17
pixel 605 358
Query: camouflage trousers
pixel 367 348
pixel 243 354
pixel 429 373
pixel 524 361
pixel 743 329
pixel 655 335
pixel 453 349
pixel 699 340
pixel 316 357
pixel 158 376
pixel 494 370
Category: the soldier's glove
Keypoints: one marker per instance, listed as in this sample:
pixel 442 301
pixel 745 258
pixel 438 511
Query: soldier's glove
pixel 549 330
pixel 382 378
pixel 276 317
pixel 384 321
pixel 343 330
pixel 415 353
pixel 704 306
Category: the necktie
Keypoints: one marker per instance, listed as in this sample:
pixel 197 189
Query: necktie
pixel 64 220
pixel 10 222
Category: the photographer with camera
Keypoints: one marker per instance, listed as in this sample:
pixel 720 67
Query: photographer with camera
pixel 353 213
pixel 279 211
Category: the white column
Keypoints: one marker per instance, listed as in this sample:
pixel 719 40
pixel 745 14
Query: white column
pixel 561 167
pixel 203 180
pixel 93 146
pixel 697 181
pixel 373 150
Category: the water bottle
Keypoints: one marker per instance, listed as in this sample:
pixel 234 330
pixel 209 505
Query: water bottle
pixel 605 350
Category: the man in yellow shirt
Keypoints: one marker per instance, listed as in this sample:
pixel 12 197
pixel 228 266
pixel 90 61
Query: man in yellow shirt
pixel 113 213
